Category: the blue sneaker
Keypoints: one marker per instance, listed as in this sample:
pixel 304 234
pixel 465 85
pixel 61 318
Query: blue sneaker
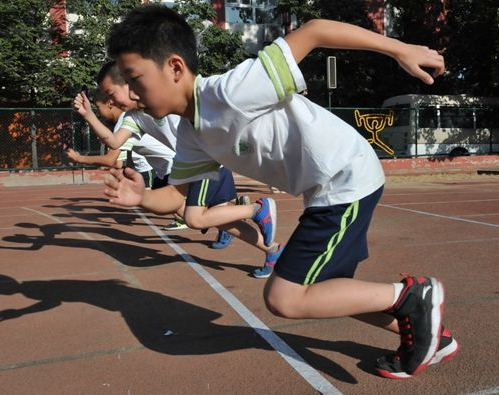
pixel 270 260
pixel 223 240
pixel 266 219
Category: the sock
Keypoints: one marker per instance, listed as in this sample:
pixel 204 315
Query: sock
pixel 274 248
pixel 256 207
pixel 397 287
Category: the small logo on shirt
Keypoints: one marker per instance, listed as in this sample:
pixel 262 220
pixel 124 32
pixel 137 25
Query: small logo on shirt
pixel 243 148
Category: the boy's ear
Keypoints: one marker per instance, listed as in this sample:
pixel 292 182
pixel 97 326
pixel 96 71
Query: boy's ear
pixel 177 66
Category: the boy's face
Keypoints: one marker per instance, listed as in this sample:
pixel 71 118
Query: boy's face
pixel 118 94
pixel 155 88
pixel 104 110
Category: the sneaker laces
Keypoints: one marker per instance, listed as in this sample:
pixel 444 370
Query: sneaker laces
pixel 406 336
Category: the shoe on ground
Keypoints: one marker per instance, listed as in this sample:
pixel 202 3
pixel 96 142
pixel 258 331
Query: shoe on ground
pixel 391 367
pixel 266 219
pixel 447 349
pixel 243 200
pixel 270 260
pixel 418 311
pixel 176 225
pixel 223 240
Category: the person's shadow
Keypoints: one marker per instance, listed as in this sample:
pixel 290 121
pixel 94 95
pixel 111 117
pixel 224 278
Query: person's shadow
pixel 86 210
pixel 118 246
pixel 151 315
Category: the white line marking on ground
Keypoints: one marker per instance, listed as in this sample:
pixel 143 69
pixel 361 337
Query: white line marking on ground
pixel 447 202
pixel 487 391
pixel 312 376
pixel 440 216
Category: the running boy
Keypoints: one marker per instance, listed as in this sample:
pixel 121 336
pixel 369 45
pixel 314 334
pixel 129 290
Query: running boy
pixel 114 158
pixel 203 198
pixel 252 120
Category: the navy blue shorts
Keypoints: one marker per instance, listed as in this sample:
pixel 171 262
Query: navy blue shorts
pixel 209 193
pixel 329 242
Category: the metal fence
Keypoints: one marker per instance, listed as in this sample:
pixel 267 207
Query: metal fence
pixel 37 138
pixel 32 139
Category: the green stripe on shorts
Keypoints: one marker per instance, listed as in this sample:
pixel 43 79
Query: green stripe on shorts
pixel 203 192
pixel 347 219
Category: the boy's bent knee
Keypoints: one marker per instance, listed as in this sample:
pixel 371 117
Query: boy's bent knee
pixel 283 298
pixel 194 218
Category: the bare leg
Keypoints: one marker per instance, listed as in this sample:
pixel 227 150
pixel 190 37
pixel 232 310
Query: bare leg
pixel 338 297
pixel 198 217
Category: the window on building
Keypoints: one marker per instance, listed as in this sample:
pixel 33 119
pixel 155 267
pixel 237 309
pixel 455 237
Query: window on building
pixel 250 11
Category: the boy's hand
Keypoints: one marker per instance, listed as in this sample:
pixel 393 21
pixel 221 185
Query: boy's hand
pixel 126 188
pixel 73 155
pixel 81 105
pixel 412 57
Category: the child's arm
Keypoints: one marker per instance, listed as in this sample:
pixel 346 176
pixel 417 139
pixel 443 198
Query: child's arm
pixel 331 34
pixel 127 189
pixel 81 104
pixel 110 159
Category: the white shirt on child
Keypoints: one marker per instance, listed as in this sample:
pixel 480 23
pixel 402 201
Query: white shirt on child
pixel 252 120
pixel 139 162
pixel 156 139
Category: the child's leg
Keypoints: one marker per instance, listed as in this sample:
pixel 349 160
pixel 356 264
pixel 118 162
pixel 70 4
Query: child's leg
pixel 337 297
pixel 201 217
pixel 313 279
pixel 198 217
pixel 206 207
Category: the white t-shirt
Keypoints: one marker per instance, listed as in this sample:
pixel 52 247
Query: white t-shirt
pixel 252 120
pixel 156 139
pixel 139 162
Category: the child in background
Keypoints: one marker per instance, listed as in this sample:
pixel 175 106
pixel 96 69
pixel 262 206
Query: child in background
pixel 253 120
pixel 114 158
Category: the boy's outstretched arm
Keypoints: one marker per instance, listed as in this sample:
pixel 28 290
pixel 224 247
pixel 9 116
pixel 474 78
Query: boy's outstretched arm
pixel 110 159
pixel 321 33
pixel 82 106
pixel 127 188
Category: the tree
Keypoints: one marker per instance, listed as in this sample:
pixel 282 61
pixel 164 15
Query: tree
pixel 472 52
pixel 30 65
pixel 41 66
pixel 357 70
pixel 465 31
pixel 89 23
pixel 219 49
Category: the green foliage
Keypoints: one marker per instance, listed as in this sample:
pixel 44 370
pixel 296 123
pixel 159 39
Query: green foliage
pixel 219 49
pixel 472 52
pixel 86 39
pixel 466 32
pixel 356 70
pixel 28 58
pixel 303 10
pixel 40 67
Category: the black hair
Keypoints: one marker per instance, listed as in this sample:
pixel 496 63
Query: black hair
pixel 154 32
pixel 100 96
pixel 112 70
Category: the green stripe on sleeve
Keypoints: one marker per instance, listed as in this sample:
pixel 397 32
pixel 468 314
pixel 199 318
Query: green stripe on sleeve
pixel 278 70
pixel 131 125
pixel 122 155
